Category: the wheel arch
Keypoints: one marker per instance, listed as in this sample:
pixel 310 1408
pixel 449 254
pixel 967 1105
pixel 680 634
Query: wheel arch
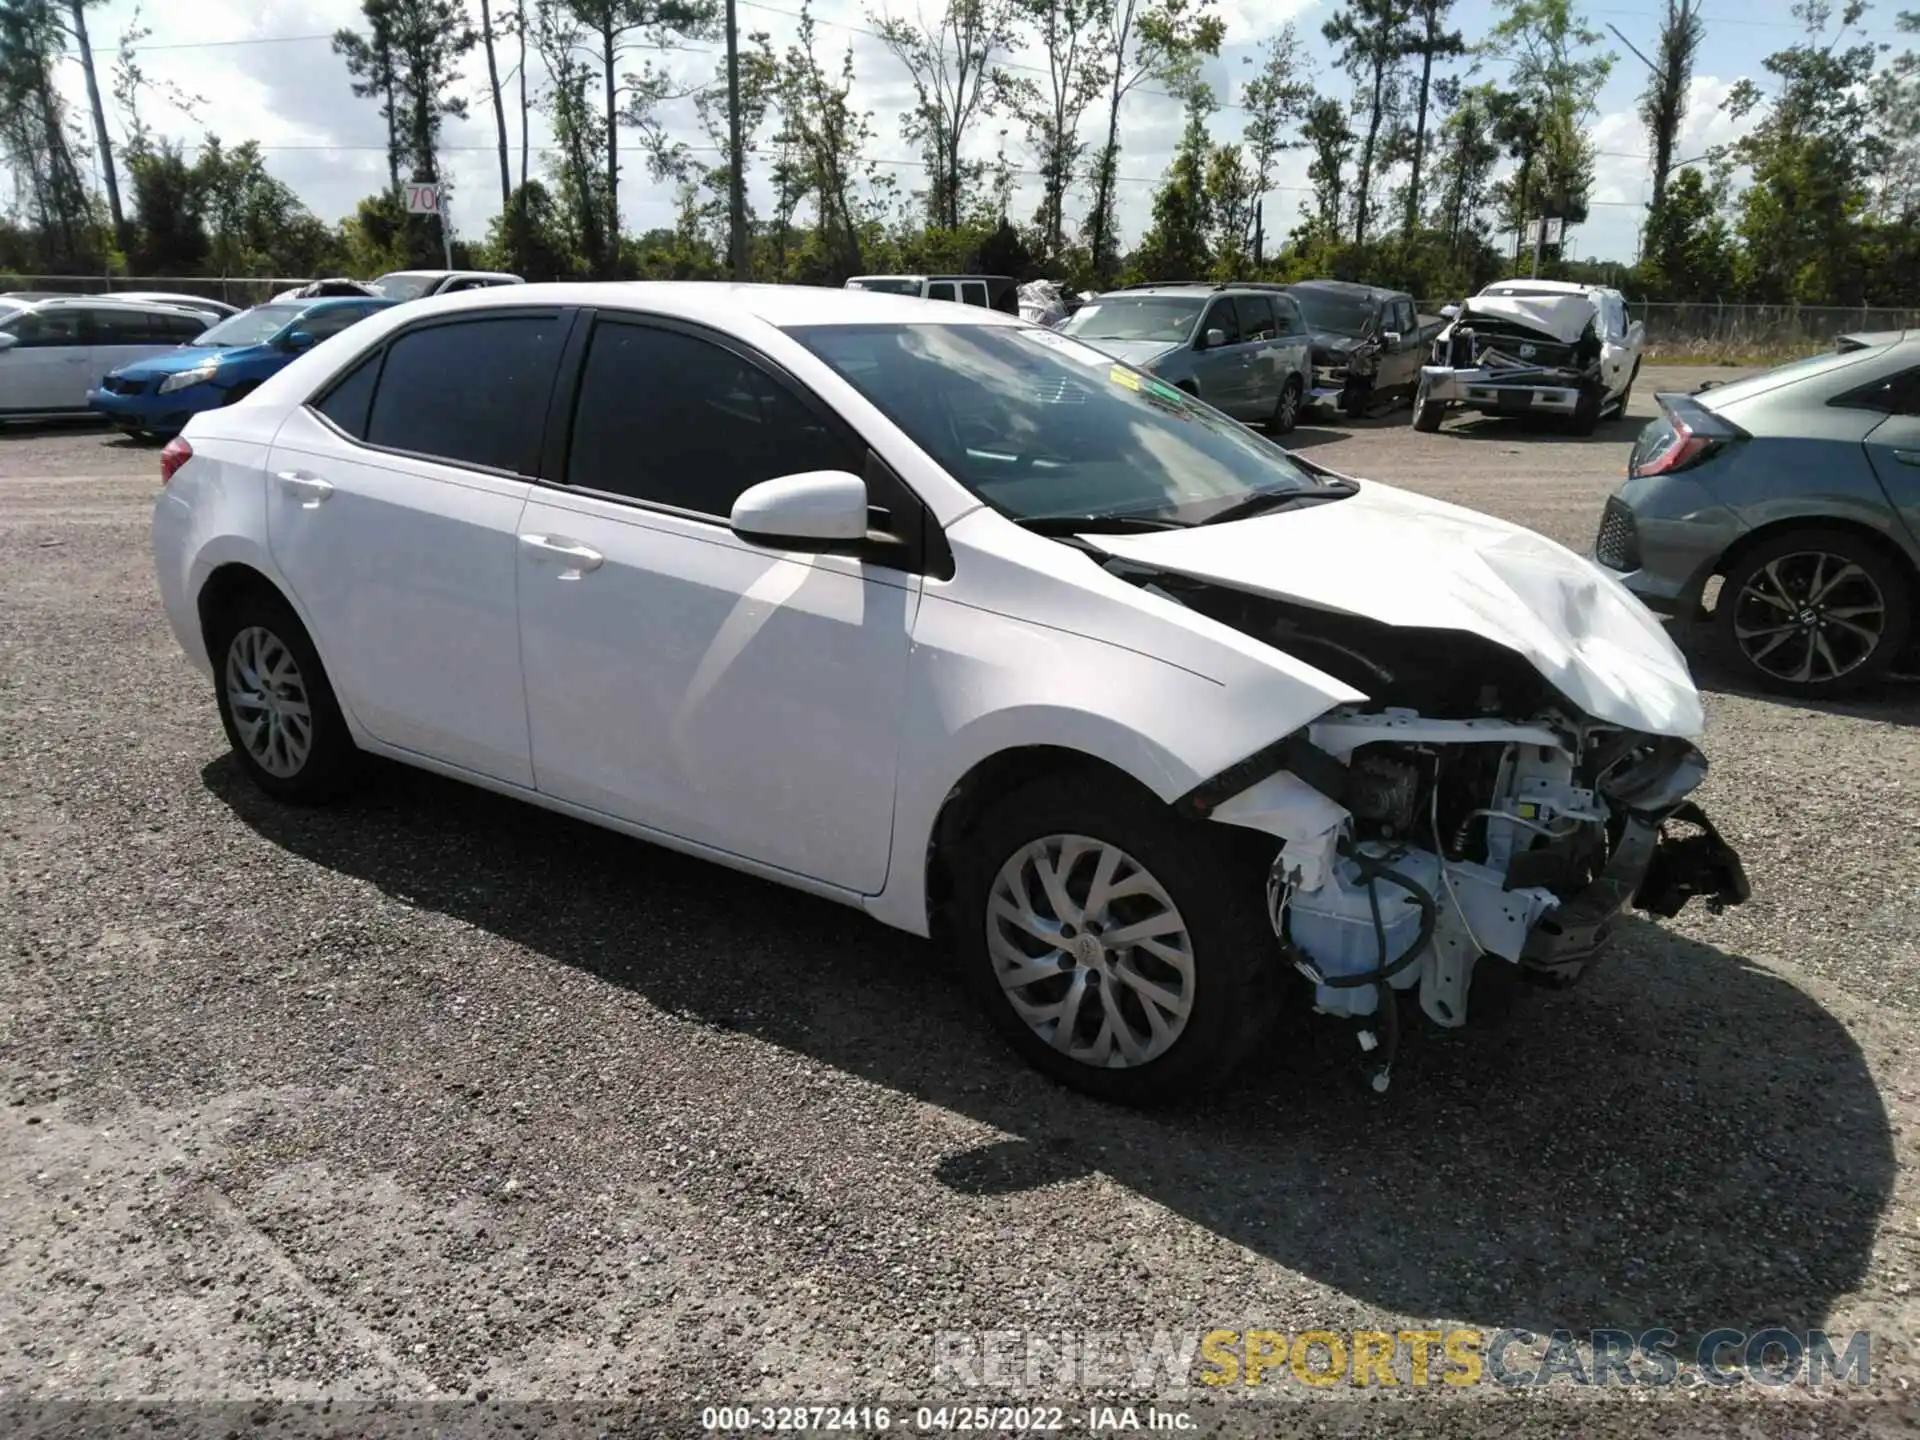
pixel 226 584
pixel 1882 543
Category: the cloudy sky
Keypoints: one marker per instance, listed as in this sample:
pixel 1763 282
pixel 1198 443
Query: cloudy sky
pixel 268 74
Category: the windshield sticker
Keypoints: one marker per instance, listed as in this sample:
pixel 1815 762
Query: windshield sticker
pixel 1165 391
pixel 1072 349
pixel 1124 378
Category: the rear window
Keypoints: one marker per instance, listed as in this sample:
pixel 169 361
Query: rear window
pixel 1791 373
pixel 472 391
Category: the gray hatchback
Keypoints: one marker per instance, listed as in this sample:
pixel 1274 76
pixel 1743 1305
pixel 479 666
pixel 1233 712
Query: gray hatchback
pixel 1800 489
pixel 1241 348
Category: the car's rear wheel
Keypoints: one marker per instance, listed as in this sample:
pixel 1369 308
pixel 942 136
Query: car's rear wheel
pixel 276 704
pixel 1586 412
pixel 1356 399
pixel 1813 613
pixel 1286 413
pixel 1118 948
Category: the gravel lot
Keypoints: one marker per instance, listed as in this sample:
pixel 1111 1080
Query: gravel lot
pixel 435 1095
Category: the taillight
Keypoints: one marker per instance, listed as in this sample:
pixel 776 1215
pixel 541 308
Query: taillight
pixel 1692 432
pixel 176 453
pixel 1682 449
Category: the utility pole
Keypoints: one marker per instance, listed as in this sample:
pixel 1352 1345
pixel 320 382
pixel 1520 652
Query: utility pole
pixel 100 135
pixel 737 180
pixel 1259 233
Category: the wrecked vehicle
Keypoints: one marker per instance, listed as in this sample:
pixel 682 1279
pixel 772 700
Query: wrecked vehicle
pixel 1534 347
pixel 959 621
pixel 1368 344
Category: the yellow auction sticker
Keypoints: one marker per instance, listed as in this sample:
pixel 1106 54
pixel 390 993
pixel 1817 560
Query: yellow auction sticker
pixel 1124 378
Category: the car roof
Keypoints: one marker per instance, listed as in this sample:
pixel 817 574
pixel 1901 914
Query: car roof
pixel 334 302
pixel 114 302
pixel 1346 287
pixel 722 302
pixel 1540 287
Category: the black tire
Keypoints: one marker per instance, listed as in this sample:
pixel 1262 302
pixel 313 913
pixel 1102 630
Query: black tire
pixel 1586 412
pixel 1356 399
pixel 1286 410
pixel 1626 395
pixel 1217 884
pixel 331 761
pixel 1427 414
pixel 1740 618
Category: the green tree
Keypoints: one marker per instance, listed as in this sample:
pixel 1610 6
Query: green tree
pixel 36 132
pixel 530 237
pixel 951 63
pixel 1373 39
pixel 823 143
pixel 1663 106
pixel 1463 168
pixel 1161 40
pixel 1432 42
pixel 1073 37
pixel 169 235
pixel 1329 141
pixel 1549 98
pixel 1688 251
pixel 1175 245
pixel 1275 101
pixel 370 61
pixel 1814 151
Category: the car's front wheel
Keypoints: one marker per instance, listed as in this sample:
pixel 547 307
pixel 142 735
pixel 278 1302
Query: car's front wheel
pixel 1118 948
pixel 276 703
pixel 1427 414
pixel 1813 613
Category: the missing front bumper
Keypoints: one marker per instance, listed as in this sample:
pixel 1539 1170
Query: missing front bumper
pixel 1651 869
pixel 1505 393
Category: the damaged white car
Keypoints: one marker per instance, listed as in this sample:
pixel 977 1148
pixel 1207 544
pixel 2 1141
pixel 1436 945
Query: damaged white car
pixel 956 620
pixel 1534 347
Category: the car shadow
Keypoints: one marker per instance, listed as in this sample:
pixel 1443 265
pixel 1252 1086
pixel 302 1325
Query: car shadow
pixel 64 425
pixel 1310 437
pixel 1630 1152
pixel 1469 425
pixel 1893 701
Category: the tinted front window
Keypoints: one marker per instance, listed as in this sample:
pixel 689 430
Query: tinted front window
pixel 48 327
pixel 124 327
pixel 251 327
pixel 676 420
pixel 1287 317
pixel 973 293
pixel 1135 317
pixel 1222 317
pixel 473 391
pixel 1256 316
pixel 1038 424
pixel 1336 312
pixel 322 323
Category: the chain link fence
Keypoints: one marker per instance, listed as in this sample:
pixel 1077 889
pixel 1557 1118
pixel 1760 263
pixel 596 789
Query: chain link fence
pixel 1709 330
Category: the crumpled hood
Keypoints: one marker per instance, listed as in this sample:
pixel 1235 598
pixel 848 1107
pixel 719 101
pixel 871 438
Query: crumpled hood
pixel 1332 343
pixel 1401 559
pixel 1137 353
pixel 1563 317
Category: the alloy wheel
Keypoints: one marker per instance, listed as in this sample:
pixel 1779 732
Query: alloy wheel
pixel 268 699
pixel 1090 951
pixel 1289 408
pixel 1809 617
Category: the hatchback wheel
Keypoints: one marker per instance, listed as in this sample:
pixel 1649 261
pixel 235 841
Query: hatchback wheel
pixel 275 702
pixel 1122 950
pixel 1813 613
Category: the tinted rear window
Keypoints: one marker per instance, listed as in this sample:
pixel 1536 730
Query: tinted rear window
pixel 472 391
pixel 1792 373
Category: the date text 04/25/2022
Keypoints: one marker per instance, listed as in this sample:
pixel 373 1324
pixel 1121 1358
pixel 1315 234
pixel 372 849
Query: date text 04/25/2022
pixel 945 1419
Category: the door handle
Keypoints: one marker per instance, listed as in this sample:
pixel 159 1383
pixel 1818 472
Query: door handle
pixel 577 558
pixel 309 490
pixel 1907 457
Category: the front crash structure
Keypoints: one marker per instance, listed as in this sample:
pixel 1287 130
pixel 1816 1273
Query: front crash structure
pixel 1502 356
pixel 1414 849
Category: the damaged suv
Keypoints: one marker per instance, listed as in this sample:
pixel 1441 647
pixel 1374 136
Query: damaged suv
pixel 1534 347
pixel 956 620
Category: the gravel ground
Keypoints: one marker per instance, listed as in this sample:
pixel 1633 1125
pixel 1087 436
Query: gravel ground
pixel 434 1095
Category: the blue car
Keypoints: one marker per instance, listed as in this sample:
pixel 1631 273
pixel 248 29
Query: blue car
pixel 157 395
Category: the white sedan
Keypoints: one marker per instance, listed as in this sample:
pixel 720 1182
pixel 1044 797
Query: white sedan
pixel 948 617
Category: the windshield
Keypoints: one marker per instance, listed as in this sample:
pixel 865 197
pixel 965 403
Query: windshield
pixel 886 285
pixel 250 327
pixel 1040 426
pixel 1136 317
pixel 402 286
pixel 1334 312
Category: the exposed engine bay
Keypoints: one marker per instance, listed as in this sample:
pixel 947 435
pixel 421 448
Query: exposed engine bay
pixel 1518 349
pixel 1467 812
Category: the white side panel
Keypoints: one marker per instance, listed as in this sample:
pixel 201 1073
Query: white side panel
pixel 406 571
pixel 735 696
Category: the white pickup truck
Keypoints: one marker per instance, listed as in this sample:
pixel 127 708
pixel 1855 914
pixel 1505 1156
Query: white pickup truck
pixel 1531 347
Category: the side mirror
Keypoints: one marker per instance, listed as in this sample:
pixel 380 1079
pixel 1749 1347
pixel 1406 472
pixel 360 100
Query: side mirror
pixel 299 340
pixel 1213 339
pixel 1450 312
pixel 814 510
pixel 1392 338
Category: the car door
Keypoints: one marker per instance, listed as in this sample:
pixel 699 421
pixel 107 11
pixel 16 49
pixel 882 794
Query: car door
pixel 1893 447
pixel 48 366
pixel 1617 350
pixel 393 506
pixel 1399 361
pixel 1293 339
pixel 1220 371
pixel 122 336
pixel 1266 371
pixel 679 677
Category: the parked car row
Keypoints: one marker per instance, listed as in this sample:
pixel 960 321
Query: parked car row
pixel 147 360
